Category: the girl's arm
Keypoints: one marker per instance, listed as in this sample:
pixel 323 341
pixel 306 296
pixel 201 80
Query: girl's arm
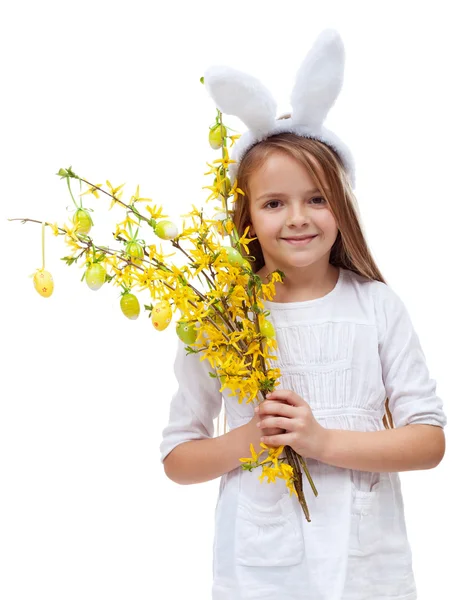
pixel 189 451
pixel 406 448
pixel 201 460
pixel 418 440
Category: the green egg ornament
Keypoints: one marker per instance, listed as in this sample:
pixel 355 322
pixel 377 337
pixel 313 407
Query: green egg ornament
pixel 134 249
pixel 186 332
pixel 83 221
pixel 130 306
pixel 216 135
pixel 234 258
pixel 267 329
pixel 166 230
pixel 161 315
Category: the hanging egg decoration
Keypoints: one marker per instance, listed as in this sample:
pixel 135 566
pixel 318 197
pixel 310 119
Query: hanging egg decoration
pixel 267 329
pixel 43 282
pixel 83 221
pixel 161 315
pixel 166 230
pixel 95 276
pixel 130 306
pixel 186 332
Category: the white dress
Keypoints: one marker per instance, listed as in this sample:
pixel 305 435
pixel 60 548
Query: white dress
pixel 344 354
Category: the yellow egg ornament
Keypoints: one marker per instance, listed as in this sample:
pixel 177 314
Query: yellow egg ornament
pixel 161 315
pixel 43 282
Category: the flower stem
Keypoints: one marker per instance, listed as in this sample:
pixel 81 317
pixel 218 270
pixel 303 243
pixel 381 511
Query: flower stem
pixel 69 188
pixel 43 225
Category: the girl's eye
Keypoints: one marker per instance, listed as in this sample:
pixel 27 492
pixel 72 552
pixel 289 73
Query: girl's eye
pixel 314 200
pixel 271 202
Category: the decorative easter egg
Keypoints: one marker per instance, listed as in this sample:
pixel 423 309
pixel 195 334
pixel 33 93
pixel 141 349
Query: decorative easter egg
pixel 134 249
pixel 161 315
pixel 130 306
pixel 217 133
pixel 267 329
pixel 186 332
pixel 95 276
pixel 234 258
pixel 226 185
pixel 166 230
pixel 82 220
pixel 43 282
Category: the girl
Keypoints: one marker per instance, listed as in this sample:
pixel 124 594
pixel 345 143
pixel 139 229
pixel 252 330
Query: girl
pixel 346 345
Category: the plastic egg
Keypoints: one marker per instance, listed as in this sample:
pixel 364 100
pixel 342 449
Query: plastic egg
pixel 186 332
pixel 267 329
pixel 234 258
pixel 43 282
pixel 166 230
pixel 161 315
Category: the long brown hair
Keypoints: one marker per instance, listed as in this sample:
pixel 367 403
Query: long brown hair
pixel 350 250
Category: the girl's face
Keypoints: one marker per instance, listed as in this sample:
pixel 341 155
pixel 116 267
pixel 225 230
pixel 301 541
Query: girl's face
pixel 284 205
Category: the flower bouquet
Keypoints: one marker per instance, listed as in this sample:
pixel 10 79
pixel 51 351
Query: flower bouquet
pixel 222 318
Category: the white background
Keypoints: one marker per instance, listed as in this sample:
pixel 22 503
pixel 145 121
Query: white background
pixel 112 88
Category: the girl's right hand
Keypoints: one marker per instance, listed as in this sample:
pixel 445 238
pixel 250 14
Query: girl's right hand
pixel 258 432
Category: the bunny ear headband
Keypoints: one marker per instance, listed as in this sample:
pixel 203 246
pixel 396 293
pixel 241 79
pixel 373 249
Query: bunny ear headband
pixel 317 86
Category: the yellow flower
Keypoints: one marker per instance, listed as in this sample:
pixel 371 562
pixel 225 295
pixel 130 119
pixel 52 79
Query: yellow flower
pixel 225 160
pixel 137 198
pixel 212 169
pixel 92 190
pixel 54 228
pixel 269 472
pixel 253 454
pixel 155 212
pixel 233 139
pixel 113 192
pixel 245 240
pixel 235 191
pixel 217 189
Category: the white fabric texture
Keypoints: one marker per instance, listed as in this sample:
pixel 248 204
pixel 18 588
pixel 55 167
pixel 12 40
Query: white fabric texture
pixel 344 354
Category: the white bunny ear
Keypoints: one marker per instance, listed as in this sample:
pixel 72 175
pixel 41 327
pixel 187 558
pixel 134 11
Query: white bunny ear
pixel 237 93
pixel 319 80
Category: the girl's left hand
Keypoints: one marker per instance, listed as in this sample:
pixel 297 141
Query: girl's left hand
pixel 287 410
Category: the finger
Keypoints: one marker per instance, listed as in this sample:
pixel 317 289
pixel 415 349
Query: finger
pixel 272 407
pixel 283 439
pixel 288 395
pixel 279 422
pixel 272 431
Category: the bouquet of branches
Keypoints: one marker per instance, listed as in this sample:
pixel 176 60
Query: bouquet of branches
pixel 221 316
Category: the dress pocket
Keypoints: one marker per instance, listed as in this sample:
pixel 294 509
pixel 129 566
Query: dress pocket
pixel 268 535
pixel 365 530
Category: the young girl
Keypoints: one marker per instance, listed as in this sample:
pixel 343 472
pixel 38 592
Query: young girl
pixel 346 344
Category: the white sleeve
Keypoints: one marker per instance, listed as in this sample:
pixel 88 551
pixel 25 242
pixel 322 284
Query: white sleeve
pixel 411 392
pixel 196 403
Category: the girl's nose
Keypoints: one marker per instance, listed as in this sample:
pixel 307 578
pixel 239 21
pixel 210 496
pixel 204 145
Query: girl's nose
pixel 296 217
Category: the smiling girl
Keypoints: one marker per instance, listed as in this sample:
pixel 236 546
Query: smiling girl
pixel 349 359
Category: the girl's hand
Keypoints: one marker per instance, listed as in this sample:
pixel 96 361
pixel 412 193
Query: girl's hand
pixel 258 432
pixel 287 410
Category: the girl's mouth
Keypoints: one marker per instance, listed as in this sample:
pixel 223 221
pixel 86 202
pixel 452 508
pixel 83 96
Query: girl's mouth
pixel 299 242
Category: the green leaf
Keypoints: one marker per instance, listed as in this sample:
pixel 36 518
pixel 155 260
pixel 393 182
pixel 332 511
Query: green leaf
pixel 191 350
pixel 202 80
